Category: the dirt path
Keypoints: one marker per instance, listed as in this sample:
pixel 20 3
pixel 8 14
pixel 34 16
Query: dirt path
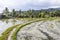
pixel 10 34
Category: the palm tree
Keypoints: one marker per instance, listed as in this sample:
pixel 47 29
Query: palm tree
pixel 6 12
pixel 13 13
pixel 29 13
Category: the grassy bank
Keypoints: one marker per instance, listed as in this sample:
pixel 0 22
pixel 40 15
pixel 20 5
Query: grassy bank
pixel 6 33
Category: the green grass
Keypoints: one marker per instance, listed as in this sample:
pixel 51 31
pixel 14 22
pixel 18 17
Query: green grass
pixel 6 33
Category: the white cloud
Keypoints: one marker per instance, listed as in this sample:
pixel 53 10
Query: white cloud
pixel 27 4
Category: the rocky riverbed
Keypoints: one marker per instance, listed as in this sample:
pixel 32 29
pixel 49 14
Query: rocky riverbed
pixel 43 30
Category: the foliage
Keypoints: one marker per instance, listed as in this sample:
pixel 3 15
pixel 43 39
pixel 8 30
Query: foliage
pixel 30 13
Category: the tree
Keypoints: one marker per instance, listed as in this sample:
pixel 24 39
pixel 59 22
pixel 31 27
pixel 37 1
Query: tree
pixel 13 13
pixel 42 14
pixel 57 13
pixel 19 13
pixel 29 13
pixel 6 12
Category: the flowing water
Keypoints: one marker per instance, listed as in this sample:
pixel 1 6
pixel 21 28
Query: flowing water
pixel 43 30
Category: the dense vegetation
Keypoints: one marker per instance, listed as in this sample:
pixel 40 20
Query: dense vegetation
pixel 30 13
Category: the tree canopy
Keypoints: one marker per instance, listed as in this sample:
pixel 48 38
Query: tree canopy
pixel 31 13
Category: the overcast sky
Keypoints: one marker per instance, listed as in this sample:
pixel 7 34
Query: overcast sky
pixel 29 4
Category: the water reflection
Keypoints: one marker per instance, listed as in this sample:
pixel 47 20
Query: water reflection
pixel 4 24
pixel 9 20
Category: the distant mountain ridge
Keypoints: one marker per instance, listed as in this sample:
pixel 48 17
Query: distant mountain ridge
pixel 51 9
